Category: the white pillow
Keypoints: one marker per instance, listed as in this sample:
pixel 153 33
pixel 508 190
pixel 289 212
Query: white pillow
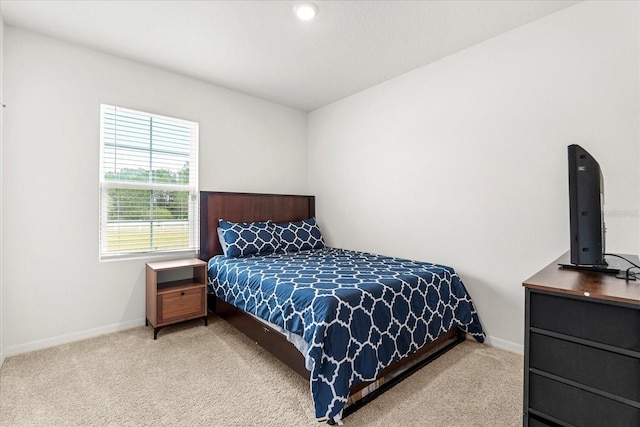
pixel 223 243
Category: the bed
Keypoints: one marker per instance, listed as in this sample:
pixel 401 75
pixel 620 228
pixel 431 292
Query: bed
pixel 352 323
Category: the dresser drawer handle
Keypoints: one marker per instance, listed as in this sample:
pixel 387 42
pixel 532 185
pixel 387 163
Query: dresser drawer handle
pixel 182 293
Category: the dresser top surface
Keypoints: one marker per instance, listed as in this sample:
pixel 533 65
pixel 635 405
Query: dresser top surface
pixel 554 278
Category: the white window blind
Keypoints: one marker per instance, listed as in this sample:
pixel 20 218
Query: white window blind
pixel 148 183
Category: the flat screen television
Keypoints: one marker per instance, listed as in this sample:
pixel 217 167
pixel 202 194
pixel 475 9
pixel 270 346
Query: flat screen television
pixel 586 209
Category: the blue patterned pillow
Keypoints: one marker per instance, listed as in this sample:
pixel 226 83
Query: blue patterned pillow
pixel 299 236
pixel 248 238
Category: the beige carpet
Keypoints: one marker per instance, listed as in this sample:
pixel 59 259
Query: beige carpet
pixel 214 376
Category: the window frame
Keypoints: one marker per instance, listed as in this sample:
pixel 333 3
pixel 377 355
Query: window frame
pixel 192 187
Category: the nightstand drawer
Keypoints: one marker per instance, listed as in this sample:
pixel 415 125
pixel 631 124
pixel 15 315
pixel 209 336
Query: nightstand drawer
pixel 181 305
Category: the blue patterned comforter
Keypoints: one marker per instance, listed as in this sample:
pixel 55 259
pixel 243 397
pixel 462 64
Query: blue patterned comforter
pixel 356 311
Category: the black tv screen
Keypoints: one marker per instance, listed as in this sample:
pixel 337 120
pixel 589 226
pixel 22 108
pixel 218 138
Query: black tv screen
pixel 586 200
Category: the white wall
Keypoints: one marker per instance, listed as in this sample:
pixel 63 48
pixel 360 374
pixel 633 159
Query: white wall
pixel 464 162
pixel 461 162
pixel 55 289
pixel 1 174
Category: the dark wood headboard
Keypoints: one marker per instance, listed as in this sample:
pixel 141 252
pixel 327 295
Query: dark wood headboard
pixel 246 207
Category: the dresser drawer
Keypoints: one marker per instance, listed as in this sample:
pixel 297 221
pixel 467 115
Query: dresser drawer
pixel 604 370
pixel 181 305
pixel 600 322
pixel 578 407
pixel 535 422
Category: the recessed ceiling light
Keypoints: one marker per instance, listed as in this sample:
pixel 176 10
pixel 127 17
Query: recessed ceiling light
pixel 305 11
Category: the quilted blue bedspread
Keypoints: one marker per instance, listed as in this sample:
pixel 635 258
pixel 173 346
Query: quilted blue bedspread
pixel 357 312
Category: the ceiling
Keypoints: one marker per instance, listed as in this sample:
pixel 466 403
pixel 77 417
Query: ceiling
pixel 260 48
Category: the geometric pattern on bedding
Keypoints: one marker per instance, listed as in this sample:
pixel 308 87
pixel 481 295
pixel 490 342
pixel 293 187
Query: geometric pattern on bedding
pixel 248 238
pixel 358 312
pixel 299 235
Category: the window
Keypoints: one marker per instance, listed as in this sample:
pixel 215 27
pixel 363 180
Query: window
pixel 148 183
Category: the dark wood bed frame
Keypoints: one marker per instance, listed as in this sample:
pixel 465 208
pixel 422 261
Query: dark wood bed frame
pixel 249 207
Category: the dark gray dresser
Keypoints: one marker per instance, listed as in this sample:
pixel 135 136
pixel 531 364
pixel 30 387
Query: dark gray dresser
pixel 582 349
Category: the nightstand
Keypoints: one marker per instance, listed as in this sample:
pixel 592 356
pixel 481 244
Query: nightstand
pixel 170 297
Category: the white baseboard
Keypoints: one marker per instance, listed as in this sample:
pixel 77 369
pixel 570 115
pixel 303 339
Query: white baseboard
pixel 68 338
pixel 505 345
pixel 90 333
